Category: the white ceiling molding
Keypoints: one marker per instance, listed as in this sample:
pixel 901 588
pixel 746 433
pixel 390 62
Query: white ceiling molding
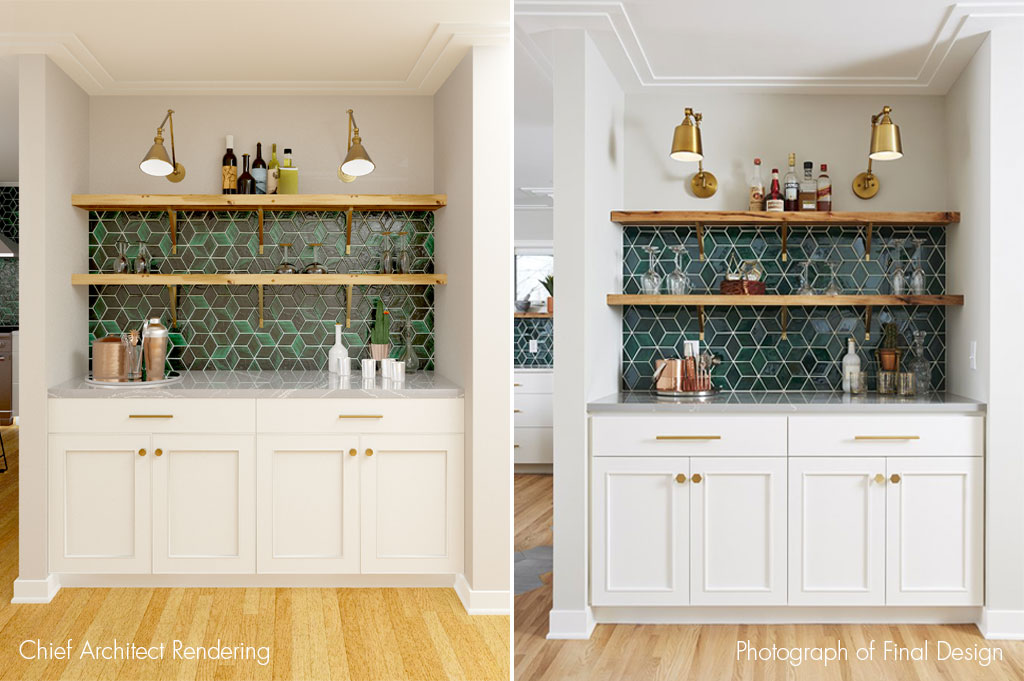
pixel 939 69
pixel 534 52
pixel 444 50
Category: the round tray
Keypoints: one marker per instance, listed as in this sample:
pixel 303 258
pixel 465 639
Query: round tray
pixel 686 393
pixel 172 377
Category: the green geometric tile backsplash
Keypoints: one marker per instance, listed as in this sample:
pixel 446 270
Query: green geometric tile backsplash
pixel 9 266
pixel 748 339
pixel 525 329
pixel 218 326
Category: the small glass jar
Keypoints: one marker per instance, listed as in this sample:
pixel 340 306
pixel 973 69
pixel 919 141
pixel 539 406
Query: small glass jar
pixel 858 382
pixel 907 384
pixel 887 382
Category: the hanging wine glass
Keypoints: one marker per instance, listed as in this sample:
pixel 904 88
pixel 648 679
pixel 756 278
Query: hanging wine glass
pixel 142 259
pixel 285 267
pixel 315 267
pixel 678 283
pixel 387 254
pixel 805 280
pixel 898 278
pixel 405 259
pixel 651 281
pixel 122 265
pixel 917 282
pixel 833 285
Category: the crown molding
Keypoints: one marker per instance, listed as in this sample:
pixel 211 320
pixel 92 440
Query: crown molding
pixel 934 76
pixel 442 53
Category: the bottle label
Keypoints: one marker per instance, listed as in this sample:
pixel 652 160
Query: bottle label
pixel 792 190
pixel 756 198
pixel 825 193
pixel 774 205
pixel 273 175
pixel 229 175
pixel 260 176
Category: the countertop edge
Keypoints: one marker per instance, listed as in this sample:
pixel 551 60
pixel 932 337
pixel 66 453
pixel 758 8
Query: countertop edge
pixel 955 405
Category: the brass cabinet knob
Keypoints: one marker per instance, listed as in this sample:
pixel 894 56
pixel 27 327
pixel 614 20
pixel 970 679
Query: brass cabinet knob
pixel 895 477
pixel 142 452
pixel 681 478
pixel 879 478
pixel 369 452
pixel 159 452
pixel 696 478
pixel 352 452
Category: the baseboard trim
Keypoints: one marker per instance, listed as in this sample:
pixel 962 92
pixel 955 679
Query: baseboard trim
pixel 1006 625
pixel 787 614
pixel 35 590
pixel 479 601
pixel 277 581
pixel 533 469
pixel 571 624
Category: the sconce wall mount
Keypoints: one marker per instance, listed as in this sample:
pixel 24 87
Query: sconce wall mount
pixel 156 161
pixel 357 162
pixel 886 145
pixel 687 145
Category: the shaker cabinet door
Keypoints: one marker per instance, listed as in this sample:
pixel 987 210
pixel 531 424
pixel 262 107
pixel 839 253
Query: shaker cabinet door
pixel 738 531
pixel 100 503
pixel 204 503
pixel 641 520
pixel 308 516
pixel 837 531
pixel 934 517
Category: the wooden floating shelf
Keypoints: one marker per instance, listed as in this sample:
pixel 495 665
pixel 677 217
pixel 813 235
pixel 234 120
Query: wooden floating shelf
pixel 806 218
pixel 244 279
pixel 783 301
pixel 269 202
pixel 533 315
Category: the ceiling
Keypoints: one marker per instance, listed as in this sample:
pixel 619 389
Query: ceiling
pixel 116 47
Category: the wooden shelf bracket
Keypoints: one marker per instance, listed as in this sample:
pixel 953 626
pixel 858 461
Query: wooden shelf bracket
pixel 172 293
pixel 867 323
pixel 784 321
pixel 259 291
pixel 348 232
pixel 348 306
pixel 700 242
pixel 259 212
pixel 700 320
pixel 785 239
pixel 172 216
pixel 867 241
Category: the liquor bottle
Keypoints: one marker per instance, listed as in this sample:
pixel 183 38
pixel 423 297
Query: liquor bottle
pixel 851 364
pixel 824 189
pixel 288 180
pixel 259 170
pixel 337 358
pixel 246 183
pixel 756 187
pixel 273 171
pixel 774 202
pixel 791 186
pixel 808 188
pixel 229 168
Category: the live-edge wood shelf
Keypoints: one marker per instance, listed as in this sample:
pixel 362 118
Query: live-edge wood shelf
pixel 533 315
pixel 244 279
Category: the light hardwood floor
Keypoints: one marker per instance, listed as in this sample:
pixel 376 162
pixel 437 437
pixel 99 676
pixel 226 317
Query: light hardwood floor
pixel 619 652
pixel 321 634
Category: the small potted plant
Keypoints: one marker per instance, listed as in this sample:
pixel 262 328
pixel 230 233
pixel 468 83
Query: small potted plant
pixel 548 282
pixel 380 335
pixel 888 352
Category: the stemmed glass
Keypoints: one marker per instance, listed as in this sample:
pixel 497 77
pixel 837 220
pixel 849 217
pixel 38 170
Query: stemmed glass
pixel 917 283
pixel 678 283
pixel 387 254
pixel 833 285
pixel 122 265
pixel 315 267
pixel 651 281
pixel 405 255
pixel 805 280
pixel 285 267
pixel 898 279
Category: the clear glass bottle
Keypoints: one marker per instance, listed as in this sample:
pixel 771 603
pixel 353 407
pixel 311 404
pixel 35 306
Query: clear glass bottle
pixel 651 281
pixel 824 190
pixel 756 188
pixel 791 186
pixel 412 362
pixel 143 259
pixel 851 365
pixel 808 188
pixel 919 364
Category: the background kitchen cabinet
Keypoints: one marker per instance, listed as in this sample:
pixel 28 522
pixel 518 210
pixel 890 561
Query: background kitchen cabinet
pixel 204 503
pixel 641 531
pixel 100 503
pixel 308 515
pixel 533 419
pixel 738 531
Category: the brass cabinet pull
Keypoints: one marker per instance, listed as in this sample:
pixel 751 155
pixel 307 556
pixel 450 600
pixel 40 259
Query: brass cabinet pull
pixel 142 452
pixel 879 478
pixel 895 477
pixel 159 452
pixel 696 478
pixel 352 452
pixel 688 437
pixel 517 411
pixel 517 385
pixel 369 452
pixel 886 437
pixel 360 416
pixel 151 416
pixel 515 446
pixel 681 478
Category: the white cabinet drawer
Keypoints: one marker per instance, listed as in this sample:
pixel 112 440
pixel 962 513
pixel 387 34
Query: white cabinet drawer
pixel 897 435
pixel 533 410
pixel 526 382
pixel 360 416
pixel 533 445
pixel 688 435
pixel 154 415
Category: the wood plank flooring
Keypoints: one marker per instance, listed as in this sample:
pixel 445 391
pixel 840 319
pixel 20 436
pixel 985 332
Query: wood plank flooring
pixel 320 634
pixel 620 652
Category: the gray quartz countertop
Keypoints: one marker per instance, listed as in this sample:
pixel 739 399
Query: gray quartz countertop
pixel 782 402
pixel 271 384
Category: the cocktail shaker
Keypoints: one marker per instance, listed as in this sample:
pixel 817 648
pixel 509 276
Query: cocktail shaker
pixel 154 348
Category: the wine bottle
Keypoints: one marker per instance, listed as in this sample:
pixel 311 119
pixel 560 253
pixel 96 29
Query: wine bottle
pixel 246 183
pixel 288 181
pixel 259 170
pixel 273 172
pixel 229 168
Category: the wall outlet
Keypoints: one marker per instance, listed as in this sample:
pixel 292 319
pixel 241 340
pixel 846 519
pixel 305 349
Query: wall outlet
pixel 973 357
pixel 533 346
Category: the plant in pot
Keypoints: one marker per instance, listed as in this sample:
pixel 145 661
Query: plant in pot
pixel 888 352
pixel 548 282
pixel 380 335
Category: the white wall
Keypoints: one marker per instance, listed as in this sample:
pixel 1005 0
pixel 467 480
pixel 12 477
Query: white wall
pixel 821 128
pixel 472 124
pixel 397 132
pixel 588 163
pixel 8 119
pixel 54 163
pixel 534 224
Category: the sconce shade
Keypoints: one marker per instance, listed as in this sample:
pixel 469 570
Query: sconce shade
pixel 157 162
pixel 357 162
pixel 886 144
pixel 686 143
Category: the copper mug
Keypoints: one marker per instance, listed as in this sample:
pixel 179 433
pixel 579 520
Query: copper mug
pixel 668 375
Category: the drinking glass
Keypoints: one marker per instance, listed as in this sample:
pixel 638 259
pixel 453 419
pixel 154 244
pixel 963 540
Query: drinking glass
pixel 917 283
pixel 887 382
pixel 315 267
pixel 651 281
pixel 142 259
pixel 405 259
pixel 907 387
pixel 833 286
pixel 285 267
pixel 805 280
pixel 121 264
pixel 678 283
pixel 858 382
pixel 898 279
pixel 387 255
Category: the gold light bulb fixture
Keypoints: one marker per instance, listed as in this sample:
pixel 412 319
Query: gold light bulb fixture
pixel 157 162
pixel 688 146
pixel 886 145
pixel 357 162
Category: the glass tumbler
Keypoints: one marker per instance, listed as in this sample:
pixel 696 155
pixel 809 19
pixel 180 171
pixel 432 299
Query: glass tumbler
pixel 858 383
pixel 907 384
pixel 887 382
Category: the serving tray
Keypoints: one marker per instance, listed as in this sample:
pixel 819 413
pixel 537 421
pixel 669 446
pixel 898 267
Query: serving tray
pixel 171 378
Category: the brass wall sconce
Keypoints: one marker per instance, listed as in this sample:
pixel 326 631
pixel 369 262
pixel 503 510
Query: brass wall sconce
pixel 886 145
pixel 357 162
pixel 156 161
pixel 687 146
